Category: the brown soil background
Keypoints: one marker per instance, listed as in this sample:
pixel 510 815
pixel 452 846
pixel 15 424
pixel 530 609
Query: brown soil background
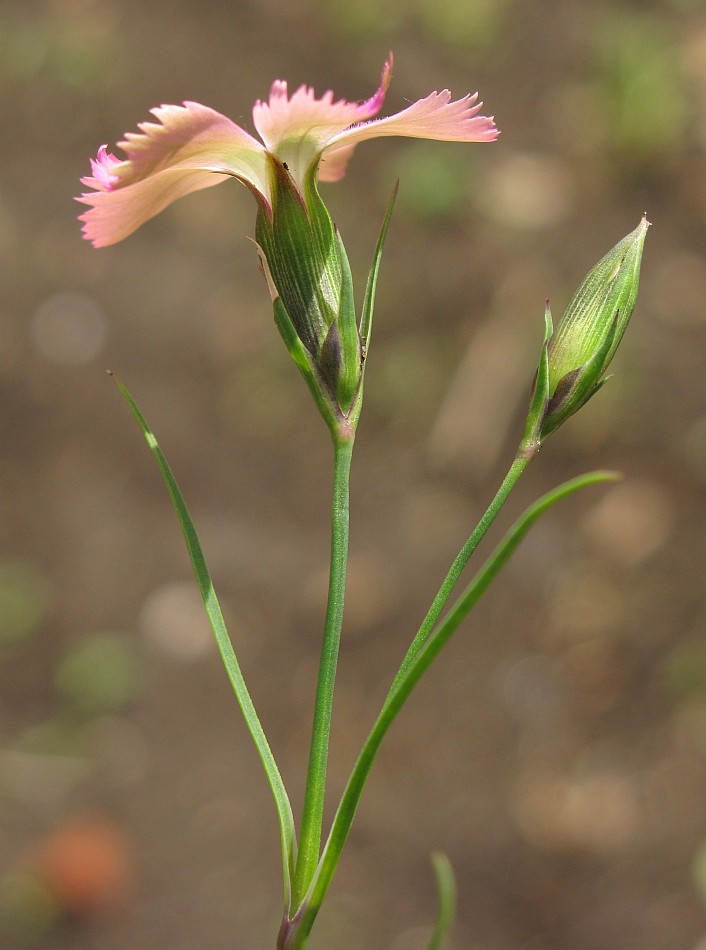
pixel 557 751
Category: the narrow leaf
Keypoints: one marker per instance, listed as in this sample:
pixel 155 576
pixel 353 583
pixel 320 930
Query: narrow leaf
pixel 396 699
pixel 215 617
pixel 366 320
pixel 446 887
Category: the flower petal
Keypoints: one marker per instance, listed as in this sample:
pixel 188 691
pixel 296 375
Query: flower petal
pixel 191 136
pixel 102 166
pixel 114 215
pixel 434 117
pixel 189 148
pixel 332 166
pixel 297 129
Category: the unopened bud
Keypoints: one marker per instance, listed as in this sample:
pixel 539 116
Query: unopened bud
pixel 588 334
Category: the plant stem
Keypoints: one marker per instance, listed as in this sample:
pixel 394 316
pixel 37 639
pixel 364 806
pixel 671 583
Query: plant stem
pixel 516 469
pixel 312 814
pixel 408 680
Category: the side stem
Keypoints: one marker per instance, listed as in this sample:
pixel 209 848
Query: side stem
pixel 301 927
pixel 312 814
pixel 462 558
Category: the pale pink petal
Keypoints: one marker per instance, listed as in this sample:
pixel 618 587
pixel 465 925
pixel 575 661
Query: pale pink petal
pixel 435 117
pixel 332 166
pixel 296 129
pixel 189 148
pixel 116 214
pixel 191 136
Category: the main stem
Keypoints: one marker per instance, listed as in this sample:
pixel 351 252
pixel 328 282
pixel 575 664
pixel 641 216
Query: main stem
pixel 295 931
pixel 312 814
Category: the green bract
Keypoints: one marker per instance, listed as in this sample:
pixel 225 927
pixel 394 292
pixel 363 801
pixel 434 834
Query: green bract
pixel 579 352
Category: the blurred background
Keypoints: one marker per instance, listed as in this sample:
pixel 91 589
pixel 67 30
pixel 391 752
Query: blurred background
pixel 557 750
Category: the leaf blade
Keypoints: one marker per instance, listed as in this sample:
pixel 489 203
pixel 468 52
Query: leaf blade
pixel 225 646
pixel 446 888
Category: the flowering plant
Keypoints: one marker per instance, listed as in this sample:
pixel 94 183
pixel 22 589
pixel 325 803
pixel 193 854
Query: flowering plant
pixel 304 140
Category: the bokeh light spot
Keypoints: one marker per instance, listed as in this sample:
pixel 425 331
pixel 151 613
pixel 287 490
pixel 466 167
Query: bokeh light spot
pixel 69 328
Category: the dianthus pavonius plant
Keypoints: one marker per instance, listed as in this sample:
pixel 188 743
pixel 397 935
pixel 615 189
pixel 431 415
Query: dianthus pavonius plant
pixel 305 140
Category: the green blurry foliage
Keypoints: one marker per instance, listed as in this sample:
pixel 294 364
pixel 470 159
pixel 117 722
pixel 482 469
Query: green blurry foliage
pixel 434 181
pixel 457 25
pixel 364 18
pixel 99 675
pixel 685 670
pixel 692 447
pixel 464 25
pixel 79 58
pixel 24 598
pixel 28 909
pixel 55 736
pixel 410 379
pixel 24 46
pixel 79 52
pixel 641 91
pixel 260 401
pixel 698 870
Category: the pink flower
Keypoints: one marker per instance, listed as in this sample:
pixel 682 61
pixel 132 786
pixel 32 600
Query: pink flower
pixel 192 146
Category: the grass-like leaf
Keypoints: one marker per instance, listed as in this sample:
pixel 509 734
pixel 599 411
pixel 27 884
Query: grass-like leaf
pixel 422 660
pixel 446 886
pixel 366 321
pixel 225 646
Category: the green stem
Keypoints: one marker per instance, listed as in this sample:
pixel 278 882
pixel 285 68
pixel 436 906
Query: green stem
pixel 462 558
pixel 345 813
pixel 312 815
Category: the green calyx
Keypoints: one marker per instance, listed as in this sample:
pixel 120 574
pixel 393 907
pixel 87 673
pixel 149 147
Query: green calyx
pixel 298 239
pixel 576 356
pixel 311 275
pixel 310 282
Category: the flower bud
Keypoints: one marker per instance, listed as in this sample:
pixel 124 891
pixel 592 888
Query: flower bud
pixel 588 334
